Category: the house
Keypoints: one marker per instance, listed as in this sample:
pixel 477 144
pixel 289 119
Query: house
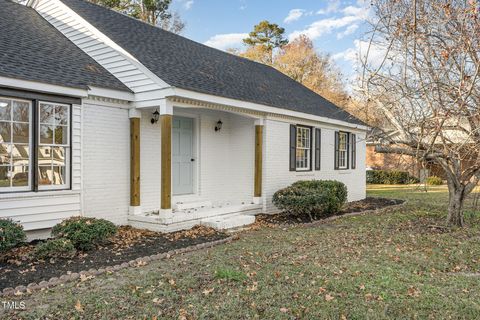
pixel 109 117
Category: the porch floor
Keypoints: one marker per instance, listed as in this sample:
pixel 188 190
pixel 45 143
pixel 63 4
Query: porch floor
pixel 221 216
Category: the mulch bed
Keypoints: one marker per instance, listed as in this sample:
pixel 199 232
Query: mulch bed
pixel 21 268
pixel 367 204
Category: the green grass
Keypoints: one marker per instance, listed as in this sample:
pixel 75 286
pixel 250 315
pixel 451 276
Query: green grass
pixel 394 265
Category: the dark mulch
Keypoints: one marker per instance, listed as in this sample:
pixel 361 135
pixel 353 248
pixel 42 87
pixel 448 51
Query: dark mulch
pixel 369 203
pixel 21 268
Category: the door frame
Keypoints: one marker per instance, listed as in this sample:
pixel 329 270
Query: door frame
pixel 195 154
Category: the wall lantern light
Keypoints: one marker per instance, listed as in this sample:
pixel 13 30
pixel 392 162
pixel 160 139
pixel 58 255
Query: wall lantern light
pixel 218 127
pixel 155 116
pixel 3 104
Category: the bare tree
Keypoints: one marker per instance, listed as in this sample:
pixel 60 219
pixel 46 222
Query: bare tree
pixel 421 67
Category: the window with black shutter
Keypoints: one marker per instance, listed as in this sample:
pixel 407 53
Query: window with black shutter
pixel 354 150
pixel 318 143
pixel 293 147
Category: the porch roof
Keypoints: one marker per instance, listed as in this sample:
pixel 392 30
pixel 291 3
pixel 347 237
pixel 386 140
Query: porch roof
pixel 186 64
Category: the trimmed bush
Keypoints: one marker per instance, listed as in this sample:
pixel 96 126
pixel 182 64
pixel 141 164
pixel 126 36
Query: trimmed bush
pixel 85 233
pixel 315 198
pixel 55 248
pixel 11 234
pixel 390 177
pixel 434 181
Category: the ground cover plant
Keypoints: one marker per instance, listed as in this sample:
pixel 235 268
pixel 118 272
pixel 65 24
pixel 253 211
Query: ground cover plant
pixel 400 264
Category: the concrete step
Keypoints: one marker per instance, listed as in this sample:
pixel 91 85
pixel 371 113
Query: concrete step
pixel 192 205
pixel 228 221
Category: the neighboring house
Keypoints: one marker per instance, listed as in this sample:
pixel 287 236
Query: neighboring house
pixel 130 123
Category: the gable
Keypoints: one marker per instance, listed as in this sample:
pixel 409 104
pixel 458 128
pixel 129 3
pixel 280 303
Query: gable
pixel 31 49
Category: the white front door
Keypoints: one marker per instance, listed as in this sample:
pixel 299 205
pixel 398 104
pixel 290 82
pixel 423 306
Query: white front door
pixel 182 155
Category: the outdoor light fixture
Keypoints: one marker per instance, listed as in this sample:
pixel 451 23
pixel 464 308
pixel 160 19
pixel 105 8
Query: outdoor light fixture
pixel 3 104
pixel 218 127
pixel 155 116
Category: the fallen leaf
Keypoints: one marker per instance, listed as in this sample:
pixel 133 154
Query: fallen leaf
pixel 328 297
pixel 78 306
pixel 283 310
pixel 208 291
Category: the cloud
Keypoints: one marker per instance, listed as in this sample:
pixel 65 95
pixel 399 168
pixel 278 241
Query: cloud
pixel 348 31
pixel 332 6
pixel 188 4
pixel 376 53
pixel 351 15
pixel 294 15
pixel 226 41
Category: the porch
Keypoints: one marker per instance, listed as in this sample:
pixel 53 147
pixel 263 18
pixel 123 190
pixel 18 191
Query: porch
pixel 194 164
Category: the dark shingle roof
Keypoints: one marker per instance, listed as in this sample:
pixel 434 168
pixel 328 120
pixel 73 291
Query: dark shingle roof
pixel 32 49
pixel 190 65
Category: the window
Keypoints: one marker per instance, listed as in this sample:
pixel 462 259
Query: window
pixel 53 145
pixel 15 145
pixel 343 150
pixel 21 169
pixel 303 150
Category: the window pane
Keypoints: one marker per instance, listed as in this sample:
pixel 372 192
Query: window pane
pixel 21 132
pixel 20 154
pixel 44 156
pixel 61 135
pixel 4 154
pixel 61 115
pixel 20 176
pixel 45 175
pixel 5 132
pixel 58 175
pixel 5 110
pixel 21 111
pixel 46 134
pixel 4 177
pixel 58 156
pixel 46 114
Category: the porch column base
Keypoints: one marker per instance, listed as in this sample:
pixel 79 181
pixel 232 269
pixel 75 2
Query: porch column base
pixel 135 210
pixel 165 216
pixel 257 200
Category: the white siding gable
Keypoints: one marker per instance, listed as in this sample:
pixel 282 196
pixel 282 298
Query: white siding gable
pixel 111 56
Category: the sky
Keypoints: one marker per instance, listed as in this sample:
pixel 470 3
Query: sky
pixel 335 26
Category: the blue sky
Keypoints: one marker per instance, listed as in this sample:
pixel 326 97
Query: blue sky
pixel 334 25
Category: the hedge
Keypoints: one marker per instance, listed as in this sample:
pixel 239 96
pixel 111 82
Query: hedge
pixel 315 198
pixel 390 177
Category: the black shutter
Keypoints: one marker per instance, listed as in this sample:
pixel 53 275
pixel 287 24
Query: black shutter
pixel 354 150
pixel 293 147
pixel 318 144
pixel 336 150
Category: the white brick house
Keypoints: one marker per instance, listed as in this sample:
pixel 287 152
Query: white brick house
pixel 151 129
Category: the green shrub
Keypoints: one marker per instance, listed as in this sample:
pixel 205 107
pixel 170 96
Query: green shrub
pixel 390 177
pixel 315 198
pixel 11 234
pixel 84 233
pixel 434 181
pixel 55 248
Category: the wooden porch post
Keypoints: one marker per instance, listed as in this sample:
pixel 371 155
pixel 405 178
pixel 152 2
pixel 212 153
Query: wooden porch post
pixel 134 116
pixel 258 160
pixel 166 158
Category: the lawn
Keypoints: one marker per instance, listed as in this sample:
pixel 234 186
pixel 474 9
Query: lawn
pixel 400 264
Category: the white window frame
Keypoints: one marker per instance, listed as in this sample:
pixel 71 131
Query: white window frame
pixel 67 147
pixel 306 133
pixel 30 146
pixel 343 152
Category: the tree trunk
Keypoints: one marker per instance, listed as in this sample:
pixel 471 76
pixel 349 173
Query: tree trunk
pixel 455 206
